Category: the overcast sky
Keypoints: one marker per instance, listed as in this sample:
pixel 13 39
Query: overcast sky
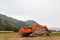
pixel 46 12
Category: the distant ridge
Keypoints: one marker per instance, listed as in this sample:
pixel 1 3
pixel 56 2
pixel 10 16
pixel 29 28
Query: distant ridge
pixel 31 22
pixel 9 23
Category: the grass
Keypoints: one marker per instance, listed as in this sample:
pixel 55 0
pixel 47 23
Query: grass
pixel 8 35
pixel 55 34
pixel 13 34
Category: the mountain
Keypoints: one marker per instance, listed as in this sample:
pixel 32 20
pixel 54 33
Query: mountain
pixel 9 23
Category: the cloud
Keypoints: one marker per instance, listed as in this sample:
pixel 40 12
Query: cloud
pixel 42 11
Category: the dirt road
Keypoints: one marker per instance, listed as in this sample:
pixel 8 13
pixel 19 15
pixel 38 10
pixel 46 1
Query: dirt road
pixel 29 38
pixel 35 38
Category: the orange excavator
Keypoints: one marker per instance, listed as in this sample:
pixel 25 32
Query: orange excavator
pixel 30 30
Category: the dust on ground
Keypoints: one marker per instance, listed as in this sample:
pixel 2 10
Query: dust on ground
pixel 29 38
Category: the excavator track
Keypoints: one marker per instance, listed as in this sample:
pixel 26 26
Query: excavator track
pixel 26 34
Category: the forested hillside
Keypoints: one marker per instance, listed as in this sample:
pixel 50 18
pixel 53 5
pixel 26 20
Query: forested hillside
pixel 11 24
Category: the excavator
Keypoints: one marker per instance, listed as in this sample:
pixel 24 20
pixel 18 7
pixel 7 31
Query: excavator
pixel 30 30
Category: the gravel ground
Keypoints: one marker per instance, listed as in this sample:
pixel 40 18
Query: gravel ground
pixel 36 38
pixel 29 38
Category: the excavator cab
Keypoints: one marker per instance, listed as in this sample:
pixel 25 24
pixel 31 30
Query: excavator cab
pixel 37 29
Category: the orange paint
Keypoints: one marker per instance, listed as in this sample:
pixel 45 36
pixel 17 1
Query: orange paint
pixel 26 30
